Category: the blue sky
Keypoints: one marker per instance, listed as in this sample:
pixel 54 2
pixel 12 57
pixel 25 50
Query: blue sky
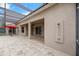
pixel 31 6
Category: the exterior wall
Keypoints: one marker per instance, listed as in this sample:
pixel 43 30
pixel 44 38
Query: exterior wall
pixel 37 24
pixel 34 32
pixel 9 24
pixel 67 13
pixel 24 30
pixel 58 12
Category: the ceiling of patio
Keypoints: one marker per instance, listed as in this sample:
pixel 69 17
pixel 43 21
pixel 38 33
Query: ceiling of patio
pixel 12 12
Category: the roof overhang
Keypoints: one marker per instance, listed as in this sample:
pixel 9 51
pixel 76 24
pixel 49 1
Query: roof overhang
pixel 35 12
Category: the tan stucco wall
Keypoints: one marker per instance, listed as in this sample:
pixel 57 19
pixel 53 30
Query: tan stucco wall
pixel 24 30
pixel 65 12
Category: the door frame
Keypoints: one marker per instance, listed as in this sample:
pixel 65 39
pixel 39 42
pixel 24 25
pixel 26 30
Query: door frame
pixel 77 29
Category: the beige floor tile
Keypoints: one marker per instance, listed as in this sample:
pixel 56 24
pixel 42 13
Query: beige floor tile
pixel 22 46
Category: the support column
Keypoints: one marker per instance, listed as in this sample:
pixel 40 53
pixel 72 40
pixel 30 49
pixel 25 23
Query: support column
pixel 17 31
pixel 7 31
pixel 26 29
pixel 29 30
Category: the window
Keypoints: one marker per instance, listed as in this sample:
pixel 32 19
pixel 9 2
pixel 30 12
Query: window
pixel 22 29
pixel 38 30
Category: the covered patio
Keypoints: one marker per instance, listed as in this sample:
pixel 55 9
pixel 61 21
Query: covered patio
pixel 22 46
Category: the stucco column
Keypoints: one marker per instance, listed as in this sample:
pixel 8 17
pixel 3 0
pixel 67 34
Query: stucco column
pixel 29 30
pixel 7 31
pixel 26 29
pixel 17 31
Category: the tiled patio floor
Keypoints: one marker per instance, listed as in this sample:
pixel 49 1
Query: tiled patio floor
pixel 21 46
